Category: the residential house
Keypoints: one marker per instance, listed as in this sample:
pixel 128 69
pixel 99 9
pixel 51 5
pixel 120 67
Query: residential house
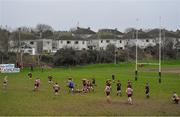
pixel 82 32
pixel 44 46
pixel 142 43
pixel 75 42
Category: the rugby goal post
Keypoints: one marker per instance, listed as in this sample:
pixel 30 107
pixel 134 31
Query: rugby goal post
pixel 157 64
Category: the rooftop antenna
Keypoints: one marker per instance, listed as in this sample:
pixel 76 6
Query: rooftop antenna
pixel 77 24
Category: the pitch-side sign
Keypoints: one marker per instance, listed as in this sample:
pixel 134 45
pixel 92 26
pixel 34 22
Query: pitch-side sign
pixel 8 68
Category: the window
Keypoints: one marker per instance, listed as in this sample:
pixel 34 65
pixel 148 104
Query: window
pixel 68 42
pixel 61 41
pixel 83 42
pixel 76 42
pixel 30 51
pixel 120 41
pixel 147 40
pixel 48 42
pixel 31 42
pixel 107 41
pixel 101 48
pixel 101 41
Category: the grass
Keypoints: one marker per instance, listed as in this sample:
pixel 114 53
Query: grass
pixel 19 99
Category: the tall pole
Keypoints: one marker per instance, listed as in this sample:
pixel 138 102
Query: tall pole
pixel 160 52
pixel 114 51
pixel 136 47
pixel 114 54
pixel 98 48
pixel 19 46
pixel 2 59
pixel 136 70
pixel 19 36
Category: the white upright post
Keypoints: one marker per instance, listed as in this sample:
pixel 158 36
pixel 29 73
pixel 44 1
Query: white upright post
pixel 136 71
pixel 114 54
pixel 115 51
pixel 160 52
pixel 136 48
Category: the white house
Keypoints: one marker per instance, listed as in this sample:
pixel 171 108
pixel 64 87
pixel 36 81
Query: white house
pixel 112 31
pixel 28 49
pixel 93 44
pixel 82 32
pixel 142 43
pixel 75 43
pixel 33 47
pixel 40 45
pixel 104 38
pixel 25 47
pixel 119 43
pixel 27 44
pixel 44 45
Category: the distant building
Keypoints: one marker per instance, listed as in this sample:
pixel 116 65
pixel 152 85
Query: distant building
pixel 118 43
pixel 115 32
pixel 30 43
pixel 27 46
pixel 76 43
pixel 142 43
pixel 44 46
pixel 82 32
pixel 28 50
pixel 32 47
pixel 85 38
pixel 177 46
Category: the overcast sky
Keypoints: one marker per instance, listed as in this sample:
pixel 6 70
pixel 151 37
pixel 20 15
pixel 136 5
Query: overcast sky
pixel 97 14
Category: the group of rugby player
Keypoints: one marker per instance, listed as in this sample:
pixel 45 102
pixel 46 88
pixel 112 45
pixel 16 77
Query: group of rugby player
pixel 129 89
pixel 88 86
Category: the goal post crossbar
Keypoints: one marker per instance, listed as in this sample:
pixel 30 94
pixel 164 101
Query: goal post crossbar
pixel 148 64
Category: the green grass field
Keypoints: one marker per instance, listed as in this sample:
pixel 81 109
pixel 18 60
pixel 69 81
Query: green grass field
pixel 19 99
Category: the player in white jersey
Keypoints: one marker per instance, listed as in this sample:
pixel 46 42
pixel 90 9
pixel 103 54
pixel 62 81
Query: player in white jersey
pixel 129 92
pixel 56 88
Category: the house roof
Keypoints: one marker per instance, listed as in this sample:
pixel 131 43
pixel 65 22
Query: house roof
pixel 155 33
pixel 112 31
pixel 70 37
pixel 104 36
pixel 80 30
pixel 132 34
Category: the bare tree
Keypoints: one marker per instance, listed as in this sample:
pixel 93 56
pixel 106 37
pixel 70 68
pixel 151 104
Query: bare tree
pixel 43 28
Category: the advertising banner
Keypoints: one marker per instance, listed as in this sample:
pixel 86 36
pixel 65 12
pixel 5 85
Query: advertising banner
pixel 8 68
